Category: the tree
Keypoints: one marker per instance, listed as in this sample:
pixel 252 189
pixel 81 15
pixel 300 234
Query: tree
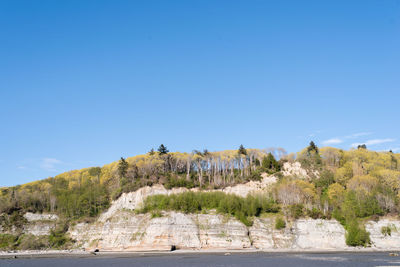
pixel 270 164
pixel 336 194
pixel 242 150
pixel 95 172
pixel 313 156
pixel 162 150
pixel 122 167
pixel 312 147
pixel 151 152
pixel 363 146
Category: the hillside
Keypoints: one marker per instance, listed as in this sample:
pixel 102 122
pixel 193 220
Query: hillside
pixel 328 183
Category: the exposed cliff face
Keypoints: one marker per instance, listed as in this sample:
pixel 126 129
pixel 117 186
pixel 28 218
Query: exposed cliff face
pixel 128 231
pixel 383 240
pixel 34 224
pixel 121 229
pixel 295 169
pixel 133 200
pixel 39 224
pixel 302 234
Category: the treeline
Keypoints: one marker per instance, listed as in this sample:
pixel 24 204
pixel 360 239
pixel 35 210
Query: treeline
pixel 350 186
pixel 85 193
pixel 189 202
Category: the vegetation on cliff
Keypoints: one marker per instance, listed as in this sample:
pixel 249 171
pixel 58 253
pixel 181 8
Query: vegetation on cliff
pixel 349 186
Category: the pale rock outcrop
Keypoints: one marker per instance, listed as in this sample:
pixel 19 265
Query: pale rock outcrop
pixel 39 228
pixel 127 231
pixel 294 169
pixel 39 224
pixel 379 239
pixel 318 234
pixel 133 200
pixel 31 217
pixel 218 231
pixel 264 235
pixel 243 190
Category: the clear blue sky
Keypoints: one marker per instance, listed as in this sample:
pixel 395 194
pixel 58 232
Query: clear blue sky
pixel 83 83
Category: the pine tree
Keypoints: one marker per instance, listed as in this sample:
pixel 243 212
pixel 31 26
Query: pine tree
pixel 312 147
pixel 270 164
pixel 162 149
pixel 122 167
pixel 242 150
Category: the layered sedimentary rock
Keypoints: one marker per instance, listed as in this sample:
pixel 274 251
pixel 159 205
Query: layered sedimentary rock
pixel 133 200
pixel 122 229
pixel 129 231
pixel 385 233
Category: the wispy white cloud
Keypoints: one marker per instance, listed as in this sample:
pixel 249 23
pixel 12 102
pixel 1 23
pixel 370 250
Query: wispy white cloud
pixel 21 167
pixel 374 142
pixel 49 164
pixel 356 135
pixel 332 141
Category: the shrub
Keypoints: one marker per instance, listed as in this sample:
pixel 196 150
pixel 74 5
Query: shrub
pixel 195 202
pixel 296 210
pixel 7 241
pixel 356 235
pixel 315 213
pixel 178 182
pixel 280 223
pixel 31 242
pixel 156 214
pixel 386 230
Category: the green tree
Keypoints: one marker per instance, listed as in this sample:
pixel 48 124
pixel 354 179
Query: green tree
pixel 270 164
pixel 363 146
pixel 312 147
pixel 162 150
pixel 242 150
pixel 313 155
pixel 95 172
pixel 122 167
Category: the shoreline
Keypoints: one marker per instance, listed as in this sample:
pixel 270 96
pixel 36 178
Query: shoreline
pixel 132 254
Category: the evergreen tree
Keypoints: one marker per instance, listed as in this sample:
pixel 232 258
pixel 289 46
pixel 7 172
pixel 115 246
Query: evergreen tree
pixel 151 152
pixel 122 167
pixel 162 150
pixel 312 147
pixel 313 154
pixel 363 146
pixel 270 164
pixel 242 150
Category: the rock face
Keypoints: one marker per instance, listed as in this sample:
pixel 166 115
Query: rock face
pixel 217 231
pixel 120 228
pixel 36 224
pixel 131 232
pixel 383 240
pixel 294 169
pixel 133 200
pixel 302 234
pixel 33 217
pixel 265 236
pixel 326 234
pixel 39 224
